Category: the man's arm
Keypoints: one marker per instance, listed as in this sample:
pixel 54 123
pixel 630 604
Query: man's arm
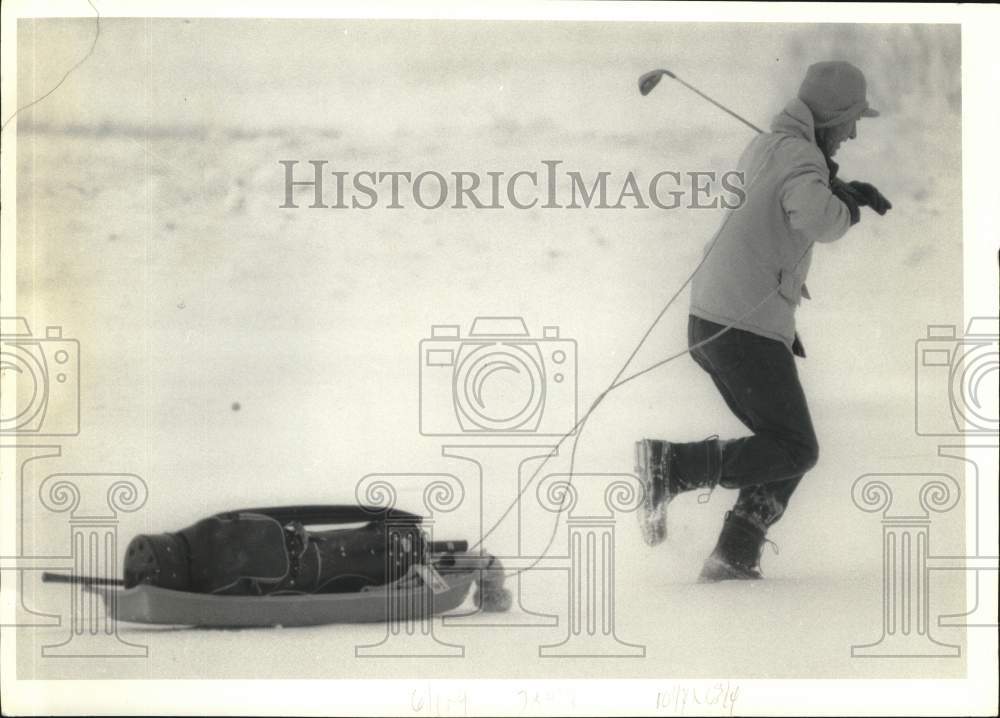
pixel 812 208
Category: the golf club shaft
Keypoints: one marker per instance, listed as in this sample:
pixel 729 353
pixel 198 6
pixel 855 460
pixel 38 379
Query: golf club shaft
pixel 838 184
pixel 717 104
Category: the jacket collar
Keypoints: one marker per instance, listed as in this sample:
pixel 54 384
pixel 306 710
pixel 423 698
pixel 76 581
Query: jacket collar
pixel 796 120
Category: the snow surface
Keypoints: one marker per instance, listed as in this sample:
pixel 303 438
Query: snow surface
pixel 149 228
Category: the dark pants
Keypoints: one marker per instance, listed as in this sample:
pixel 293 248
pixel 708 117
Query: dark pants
pixel 758 380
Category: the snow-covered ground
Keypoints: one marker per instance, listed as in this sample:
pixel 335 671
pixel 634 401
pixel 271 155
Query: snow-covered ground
pixel 149 228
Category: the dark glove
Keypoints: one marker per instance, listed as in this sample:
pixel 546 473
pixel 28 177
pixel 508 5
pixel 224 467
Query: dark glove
pixel 871 197
pixel 849 196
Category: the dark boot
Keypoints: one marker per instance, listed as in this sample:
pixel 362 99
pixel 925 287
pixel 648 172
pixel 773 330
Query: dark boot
pixel 737 554
pixel 667 469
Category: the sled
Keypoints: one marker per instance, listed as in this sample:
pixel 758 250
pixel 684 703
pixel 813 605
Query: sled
pixel 438 583
pixel 409 599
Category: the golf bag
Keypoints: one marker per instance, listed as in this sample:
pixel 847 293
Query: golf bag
pixel 269 551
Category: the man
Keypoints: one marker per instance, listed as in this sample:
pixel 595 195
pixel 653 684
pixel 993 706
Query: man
pixel 742 320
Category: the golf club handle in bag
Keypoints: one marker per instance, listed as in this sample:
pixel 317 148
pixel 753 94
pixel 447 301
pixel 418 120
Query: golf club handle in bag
pixel 268 551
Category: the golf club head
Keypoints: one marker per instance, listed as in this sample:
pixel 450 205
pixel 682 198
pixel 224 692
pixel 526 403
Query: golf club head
pixel 651 79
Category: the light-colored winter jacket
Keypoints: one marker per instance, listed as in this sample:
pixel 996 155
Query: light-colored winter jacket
pixel 754 272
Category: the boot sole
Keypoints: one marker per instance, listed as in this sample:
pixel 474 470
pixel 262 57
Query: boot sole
pixel 714 571
pixel 652 517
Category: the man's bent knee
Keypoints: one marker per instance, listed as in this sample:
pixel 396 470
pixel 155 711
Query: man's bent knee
pixel 806 455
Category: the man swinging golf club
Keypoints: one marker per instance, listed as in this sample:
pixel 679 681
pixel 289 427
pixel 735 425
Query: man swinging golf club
pixel 741 327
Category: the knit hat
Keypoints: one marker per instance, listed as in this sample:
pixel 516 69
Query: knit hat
pixel 835 92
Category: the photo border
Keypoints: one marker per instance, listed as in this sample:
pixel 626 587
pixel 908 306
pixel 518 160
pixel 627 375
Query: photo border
pixel 977 694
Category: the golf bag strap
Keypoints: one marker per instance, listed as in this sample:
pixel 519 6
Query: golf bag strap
pixel 334 514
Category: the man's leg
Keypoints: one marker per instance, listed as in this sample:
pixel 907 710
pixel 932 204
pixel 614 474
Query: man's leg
pixel 758 380
pixel 764 503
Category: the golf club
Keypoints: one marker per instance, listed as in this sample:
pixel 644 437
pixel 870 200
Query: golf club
pixel 652 78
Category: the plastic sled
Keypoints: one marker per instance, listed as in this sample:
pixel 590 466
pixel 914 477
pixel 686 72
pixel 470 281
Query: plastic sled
pixel 410 598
